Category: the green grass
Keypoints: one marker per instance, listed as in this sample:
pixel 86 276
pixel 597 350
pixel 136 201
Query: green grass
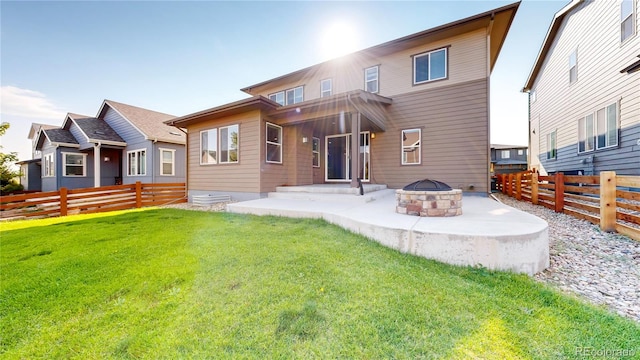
pixel 166 283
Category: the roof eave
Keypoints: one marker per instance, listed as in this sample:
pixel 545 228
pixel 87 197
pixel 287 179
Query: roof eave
pixel 255 102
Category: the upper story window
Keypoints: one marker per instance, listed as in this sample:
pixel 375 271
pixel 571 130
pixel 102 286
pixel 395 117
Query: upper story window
pixel 505 154
pixel 137 162
pixel 325 88
pixel 430 66
pixel 552 150
pixel 371 79
pixel 74 164
pixel 573 67
pixel 295 95
pixel 48 165
pixel 274 143
pixel 627 22
pixel 277 97
pixel 167 162
pixel 411 146
pixel 520 152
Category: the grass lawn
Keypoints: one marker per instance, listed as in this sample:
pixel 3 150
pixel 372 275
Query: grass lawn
pixel 166 283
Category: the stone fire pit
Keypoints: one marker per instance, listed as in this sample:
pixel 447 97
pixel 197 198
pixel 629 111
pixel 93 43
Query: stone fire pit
pixel 429 198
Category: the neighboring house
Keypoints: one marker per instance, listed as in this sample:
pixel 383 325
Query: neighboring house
pixel 584 91
pixel 121 145
pixel 507 159
pixel 412 108
pixel 31 170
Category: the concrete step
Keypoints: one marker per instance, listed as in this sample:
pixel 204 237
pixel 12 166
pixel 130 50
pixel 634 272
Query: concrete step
pixel 332 197
pixel 330 189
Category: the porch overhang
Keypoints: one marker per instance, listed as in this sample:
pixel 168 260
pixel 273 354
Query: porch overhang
pixel 372 106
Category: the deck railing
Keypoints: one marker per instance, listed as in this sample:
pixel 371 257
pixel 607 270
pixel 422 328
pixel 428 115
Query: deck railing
pixel 91 200
pixel 609 200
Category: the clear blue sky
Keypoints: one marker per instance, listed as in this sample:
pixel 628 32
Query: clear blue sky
pixel 182 57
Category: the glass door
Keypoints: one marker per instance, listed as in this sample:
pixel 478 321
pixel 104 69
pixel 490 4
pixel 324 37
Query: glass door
pixel 338 157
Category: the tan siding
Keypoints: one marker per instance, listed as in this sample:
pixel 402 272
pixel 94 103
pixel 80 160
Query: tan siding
pixel 467 62
pixel 243 176
pixel 593 28
pixel 455 137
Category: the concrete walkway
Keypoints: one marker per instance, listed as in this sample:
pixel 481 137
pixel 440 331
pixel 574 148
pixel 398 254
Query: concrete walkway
pixel 488 233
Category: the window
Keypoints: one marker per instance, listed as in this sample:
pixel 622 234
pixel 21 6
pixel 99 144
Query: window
pixel 411 146
pixel 573 67
pixel 627 27
pixel 229 144
pixel 167 162
pixel 520 152
pixel 277 97
pixel 315 148
pixel 274 143
pixel 430 66
pixel 74 164
pixel 209 146
pixel 224 150
pixel 294 95
pixel 325 88
pixel 586 129
pixel 371 79
pixel 505 154
pixel 136 162
pixel 49 165
pixel 607 125
pixel 551 146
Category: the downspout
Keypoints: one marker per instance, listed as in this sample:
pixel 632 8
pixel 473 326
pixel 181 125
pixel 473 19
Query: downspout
pixel 488 150
pixel 153 164
pixel 186 160
pixel 57 174
pixel 96 165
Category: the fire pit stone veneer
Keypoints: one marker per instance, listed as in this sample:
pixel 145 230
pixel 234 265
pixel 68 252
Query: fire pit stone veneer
pixel 429 198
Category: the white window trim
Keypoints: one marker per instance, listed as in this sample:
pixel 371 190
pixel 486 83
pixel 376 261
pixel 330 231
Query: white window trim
pixel 322 91
pixel 555 148
pixel 575 51
pixel 520 152
pixel 275 94
pixel 606 122
pixel 301 87
pixel 173 161
pixel 419 147
pixel 315 139
pixel 64 164
pixel 267 142
pixel 377 79
pixel 593 133
pixel 503 152
pixel 137 152
pixel 219 150
pixel 52 166
pixel 633 21
pixel 428 53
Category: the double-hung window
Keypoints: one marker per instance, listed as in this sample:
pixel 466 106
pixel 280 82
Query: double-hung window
pixel 274 143
pixel 48 167
pixel 220 145
pixel 573 67
pixel 552 150
pixel 137 162
pixel 371 79
pixel 411 146
pixel 277 97
pixel 430 66
pixel 325 88
pixel 74 164
pixel 505 154
pixel 627 23
pixel 167 162
pixel 586 134
pixel 295 95
pixel 607 125
pixel 315 148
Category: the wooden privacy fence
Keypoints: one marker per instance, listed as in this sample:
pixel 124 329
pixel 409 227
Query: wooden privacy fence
pixel 609 200
pixel 91 200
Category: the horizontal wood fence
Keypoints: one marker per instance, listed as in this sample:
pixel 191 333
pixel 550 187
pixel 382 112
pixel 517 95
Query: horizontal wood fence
pixel 91 200
pixel 609 200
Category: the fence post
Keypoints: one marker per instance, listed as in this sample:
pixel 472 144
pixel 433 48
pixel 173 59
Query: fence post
pixel 559 192
pixel 534 188
pixel 510 184
pixel 519 186
pixel 63 201
pixel 608 201
pixel 503 181
pixel 138 194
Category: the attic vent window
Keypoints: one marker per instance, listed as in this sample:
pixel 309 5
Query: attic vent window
pixel 174 133
pixel 98 132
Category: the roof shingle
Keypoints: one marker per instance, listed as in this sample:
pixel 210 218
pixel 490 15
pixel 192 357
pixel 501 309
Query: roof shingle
pixel 150 122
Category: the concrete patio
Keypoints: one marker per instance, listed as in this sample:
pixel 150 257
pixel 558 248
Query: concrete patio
pixel 488 233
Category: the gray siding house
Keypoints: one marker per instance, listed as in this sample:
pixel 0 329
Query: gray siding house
pixel 31 170
pixel 122 144
pixel 507 159
pixel 584 91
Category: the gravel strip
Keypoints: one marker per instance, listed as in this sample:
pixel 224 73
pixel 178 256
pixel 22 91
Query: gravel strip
pixel 221 206
pixel 603 268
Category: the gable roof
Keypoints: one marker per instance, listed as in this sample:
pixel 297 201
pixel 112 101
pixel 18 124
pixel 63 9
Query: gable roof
pixel 151 124
pixel 56 136
pixel 499 20
pixel 96 130
pixel 35 129
pixel 548 40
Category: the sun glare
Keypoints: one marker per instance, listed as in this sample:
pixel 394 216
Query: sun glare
pixel 337 40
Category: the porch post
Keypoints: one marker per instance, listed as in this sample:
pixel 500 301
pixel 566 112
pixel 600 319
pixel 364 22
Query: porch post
pixel 96 165
pixel 355 149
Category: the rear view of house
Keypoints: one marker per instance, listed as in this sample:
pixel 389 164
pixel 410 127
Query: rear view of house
pixel 409 109
pixel 584 91
pixel 122 144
